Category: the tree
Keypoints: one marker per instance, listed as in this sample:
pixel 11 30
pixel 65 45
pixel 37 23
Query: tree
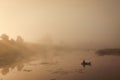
pixel 19 39
pixel 5 37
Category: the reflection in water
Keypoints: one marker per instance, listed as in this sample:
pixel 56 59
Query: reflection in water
pixel 66 68
pixel 14 53
pixel 17 58
pixel 12 61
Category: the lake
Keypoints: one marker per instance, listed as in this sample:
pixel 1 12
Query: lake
pixel 62 65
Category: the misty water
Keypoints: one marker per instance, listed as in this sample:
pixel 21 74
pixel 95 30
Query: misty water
pixel 61 65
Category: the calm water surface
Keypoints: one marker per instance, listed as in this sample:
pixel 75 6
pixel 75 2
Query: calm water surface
pixel 61 66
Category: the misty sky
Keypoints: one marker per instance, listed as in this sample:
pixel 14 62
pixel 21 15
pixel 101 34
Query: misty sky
pixel 81 21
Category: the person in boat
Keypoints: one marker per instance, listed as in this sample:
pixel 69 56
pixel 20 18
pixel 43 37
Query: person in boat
pixel 83 62
pixel 86 63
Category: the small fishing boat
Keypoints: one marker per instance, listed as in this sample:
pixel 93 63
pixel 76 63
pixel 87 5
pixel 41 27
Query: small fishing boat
pixel 84 63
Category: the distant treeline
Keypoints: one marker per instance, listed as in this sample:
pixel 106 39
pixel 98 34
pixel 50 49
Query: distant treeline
pixel 103 52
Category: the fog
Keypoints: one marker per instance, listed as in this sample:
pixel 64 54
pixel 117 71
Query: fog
pixel 14 53
pixel 23 60
pixel 50 39
pixel 80 23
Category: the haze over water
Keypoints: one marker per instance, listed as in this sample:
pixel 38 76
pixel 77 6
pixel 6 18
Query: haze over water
pixel 62 65
pixel 59 40
pixel 21 60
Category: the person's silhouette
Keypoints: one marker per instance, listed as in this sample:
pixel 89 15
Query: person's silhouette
pixel 84 63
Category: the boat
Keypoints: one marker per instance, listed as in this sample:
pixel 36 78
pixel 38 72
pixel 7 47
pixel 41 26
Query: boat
pixel 84 63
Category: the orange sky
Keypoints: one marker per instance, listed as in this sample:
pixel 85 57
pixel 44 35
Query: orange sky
pixel 83 21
